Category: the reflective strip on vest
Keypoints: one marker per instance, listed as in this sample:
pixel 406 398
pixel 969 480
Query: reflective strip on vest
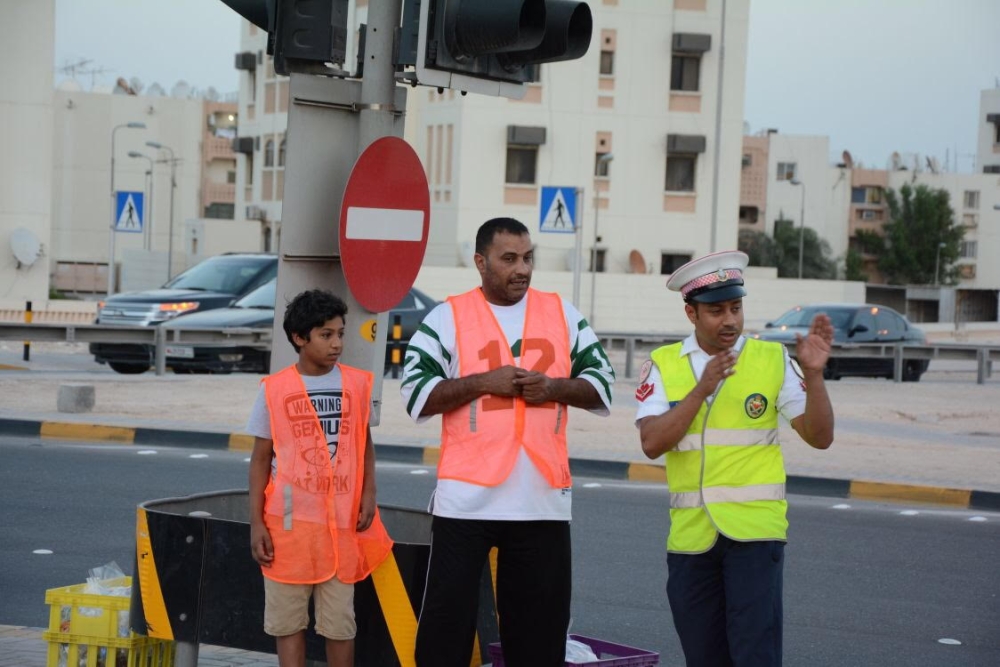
pixel 727 494
pixel 722 437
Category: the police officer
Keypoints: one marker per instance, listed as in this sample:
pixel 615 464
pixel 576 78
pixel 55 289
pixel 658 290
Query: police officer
pixel 711 404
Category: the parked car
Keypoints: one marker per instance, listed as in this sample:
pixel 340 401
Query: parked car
pixel 213 283
pixel 256 311
pixel 854 323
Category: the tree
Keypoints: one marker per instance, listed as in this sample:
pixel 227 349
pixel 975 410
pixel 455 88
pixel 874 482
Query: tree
pixel 921 224
pixel 854 266
pixel 782 251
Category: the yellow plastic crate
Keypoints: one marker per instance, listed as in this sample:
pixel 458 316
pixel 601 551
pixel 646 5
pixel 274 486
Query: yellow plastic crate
pixel 87 630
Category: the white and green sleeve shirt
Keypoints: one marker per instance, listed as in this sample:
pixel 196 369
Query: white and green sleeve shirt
pixel 525 495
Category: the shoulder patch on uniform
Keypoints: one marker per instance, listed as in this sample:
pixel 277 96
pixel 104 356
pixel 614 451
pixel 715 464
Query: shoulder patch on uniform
pixel 643 391
pixel 647 368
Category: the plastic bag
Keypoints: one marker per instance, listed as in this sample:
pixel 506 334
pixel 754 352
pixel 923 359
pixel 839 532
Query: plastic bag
pixel 98 583
pixel 579 653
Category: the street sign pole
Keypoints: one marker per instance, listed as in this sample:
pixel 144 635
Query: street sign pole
pixel 577 247
pixel 330 121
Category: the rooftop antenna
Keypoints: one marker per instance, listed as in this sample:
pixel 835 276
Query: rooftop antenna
pixel 81 67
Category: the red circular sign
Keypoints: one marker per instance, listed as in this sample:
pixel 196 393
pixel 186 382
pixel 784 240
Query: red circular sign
pixel 384 222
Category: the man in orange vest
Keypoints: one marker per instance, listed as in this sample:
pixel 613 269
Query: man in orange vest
pixel 314 525
pixel 502 363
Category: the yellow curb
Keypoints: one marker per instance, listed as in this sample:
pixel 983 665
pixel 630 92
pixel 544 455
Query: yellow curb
pixel 72 431
pixel 432 455
pixel 910 493
pixel 8 367
pixel 240 442
pixel 646 472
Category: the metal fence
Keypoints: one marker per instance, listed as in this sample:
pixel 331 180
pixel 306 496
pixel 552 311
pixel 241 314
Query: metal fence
pixel 982 356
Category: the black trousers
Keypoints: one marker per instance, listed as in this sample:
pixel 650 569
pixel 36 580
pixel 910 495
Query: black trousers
pixel 534 582
pixel 726 603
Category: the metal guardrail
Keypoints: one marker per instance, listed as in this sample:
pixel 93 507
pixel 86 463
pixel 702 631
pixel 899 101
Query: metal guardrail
pixel 157 336
pixel 982 355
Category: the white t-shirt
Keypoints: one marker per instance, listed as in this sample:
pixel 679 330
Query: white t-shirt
pixel 326 395
pixel 525 495
pixel 653 399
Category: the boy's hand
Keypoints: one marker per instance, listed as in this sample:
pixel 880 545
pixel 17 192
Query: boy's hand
pixel 366 512
pixel 260 544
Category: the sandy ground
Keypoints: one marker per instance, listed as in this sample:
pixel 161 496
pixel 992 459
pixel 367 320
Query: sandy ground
pixel 942 431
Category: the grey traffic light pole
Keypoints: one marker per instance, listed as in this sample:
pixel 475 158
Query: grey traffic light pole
pixel 331 120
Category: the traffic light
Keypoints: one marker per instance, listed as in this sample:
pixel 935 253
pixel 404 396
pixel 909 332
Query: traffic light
pixel 493 46
pixel 302 35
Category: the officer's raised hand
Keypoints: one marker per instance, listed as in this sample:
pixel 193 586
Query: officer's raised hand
pixel 813 350
pixel 716 370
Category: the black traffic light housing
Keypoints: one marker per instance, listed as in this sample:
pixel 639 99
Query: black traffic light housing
pixel 493 46
pixel 302 35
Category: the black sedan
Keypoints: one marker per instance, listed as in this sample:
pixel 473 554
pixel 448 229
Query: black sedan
pixel 256 311
pixel 854 323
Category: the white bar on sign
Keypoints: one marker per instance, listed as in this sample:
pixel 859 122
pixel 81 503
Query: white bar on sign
pixel 384 224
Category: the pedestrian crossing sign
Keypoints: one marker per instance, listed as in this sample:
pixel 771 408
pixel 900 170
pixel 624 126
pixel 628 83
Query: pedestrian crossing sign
pixel 128 211
pixel 558 210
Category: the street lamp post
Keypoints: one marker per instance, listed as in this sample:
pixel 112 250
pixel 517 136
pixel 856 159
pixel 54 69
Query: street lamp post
pixel 111 233
pixel 173 186
pixel 937 264
pixel 601 161
pixel 148 222
pixel 802 221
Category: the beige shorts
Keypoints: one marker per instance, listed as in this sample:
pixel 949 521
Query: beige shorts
pixel 286 608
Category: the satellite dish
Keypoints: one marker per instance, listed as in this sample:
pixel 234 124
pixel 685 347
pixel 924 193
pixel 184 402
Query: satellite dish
pixel 636 262
pixel 848 160
pixel 466 254
pixel 212 95
pixel 135 84
pixel 156 90
pixel 25 246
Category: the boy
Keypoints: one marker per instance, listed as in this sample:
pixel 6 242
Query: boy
pixel 314 525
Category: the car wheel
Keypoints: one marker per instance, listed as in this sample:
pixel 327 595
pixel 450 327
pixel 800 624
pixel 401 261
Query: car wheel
pixel 182 371
pixel 912 371
pixel 829 372
pixel 128 369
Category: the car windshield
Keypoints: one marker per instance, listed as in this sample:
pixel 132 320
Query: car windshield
pixel 231 275
pixel 262 297
pixel 803 316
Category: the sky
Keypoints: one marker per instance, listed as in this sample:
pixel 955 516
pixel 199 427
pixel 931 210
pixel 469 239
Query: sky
pixel 876 76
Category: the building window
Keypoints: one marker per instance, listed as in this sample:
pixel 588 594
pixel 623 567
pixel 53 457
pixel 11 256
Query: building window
pixel 281 153
pixel 680 172
pixel 231 177
pixel 970 219
pixel 866 195
pixel 747 160
pixel 749 214
pixel 684 72
pixel 249 170
pixel 602 169
pixel 967 250
pixel 521 161
pixel 670 262
pixel 971 199
pixel 597 257
pixel 269 153
pixel 786 171
pixel 607 62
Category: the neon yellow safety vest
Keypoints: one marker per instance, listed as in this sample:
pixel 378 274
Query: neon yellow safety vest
pixel 727 474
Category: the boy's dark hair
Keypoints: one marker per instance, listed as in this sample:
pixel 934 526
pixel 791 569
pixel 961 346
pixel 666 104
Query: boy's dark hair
pixel 311 309
pixel 490 228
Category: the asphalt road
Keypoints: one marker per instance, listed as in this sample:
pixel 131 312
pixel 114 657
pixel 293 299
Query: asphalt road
pixel 865 583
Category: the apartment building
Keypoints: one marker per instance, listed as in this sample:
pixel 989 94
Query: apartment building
pixel 637 128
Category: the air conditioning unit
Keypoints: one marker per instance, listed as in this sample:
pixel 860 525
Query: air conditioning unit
pixel 255 213
pixel 868 215
pixel 243 145
pixel 967 271
pixel 246 61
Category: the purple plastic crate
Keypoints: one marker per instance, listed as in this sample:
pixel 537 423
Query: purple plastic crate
pixel 609 654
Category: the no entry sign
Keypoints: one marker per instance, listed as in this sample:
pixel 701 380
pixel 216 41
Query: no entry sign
pixel 384 221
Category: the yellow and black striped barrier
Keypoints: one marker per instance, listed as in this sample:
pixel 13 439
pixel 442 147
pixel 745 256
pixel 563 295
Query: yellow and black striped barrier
pixel 197 582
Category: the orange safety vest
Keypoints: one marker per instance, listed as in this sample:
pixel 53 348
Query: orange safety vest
pixel 480 441
pixel 310 506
